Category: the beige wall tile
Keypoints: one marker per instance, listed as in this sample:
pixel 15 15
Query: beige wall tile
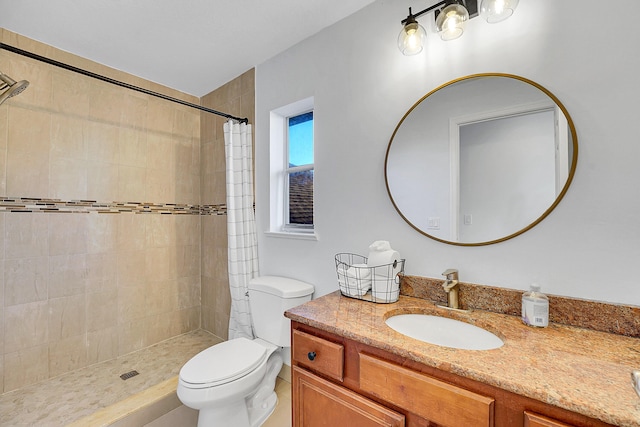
pixel 133 147
pixel 102 142
pixel 161 186
pixel 188 230
pixel 67 355
pixel 102 345
pixel 4 115
pixel 25 326
pixel 68 233
pixel 105 101
pixel 186 123
pixel 188 292
pixel 1 372
pixel 26 367
pixel 161 152
pixel 207 293
pixel 70 94
pixel 67 317
pixel 160 116
pixel 208 261
pixel 67 138
pixel 67 275
pixel 26 235
pixel 102 181
pixel 160 231
pixel 28 153
pixel 161 264
pixel 189 319
pixel 131 268
pixel 131 232
pixel 132 184
pixel 134 110
pixel 188 261
pixel 102 272
pixel 102 310
pixel 133 303
pixel 26 280
pixel 68 179
pixel 131 336
pixel 102 233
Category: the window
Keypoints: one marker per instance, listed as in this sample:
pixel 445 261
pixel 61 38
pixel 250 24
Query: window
pixel 292 170
pixel 299 173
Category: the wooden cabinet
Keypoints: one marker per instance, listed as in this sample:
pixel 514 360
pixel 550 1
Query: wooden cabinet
pixel 535 420
pixel 320 403
pixel 423 395
pixel 317 354
pixel 339 382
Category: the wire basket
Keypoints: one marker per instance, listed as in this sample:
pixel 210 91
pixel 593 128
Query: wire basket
pixel 379 283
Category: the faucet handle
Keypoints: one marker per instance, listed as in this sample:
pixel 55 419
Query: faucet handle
pixel 451 274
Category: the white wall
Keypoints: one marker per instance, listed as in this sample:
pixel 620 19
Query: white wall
pixel 588 247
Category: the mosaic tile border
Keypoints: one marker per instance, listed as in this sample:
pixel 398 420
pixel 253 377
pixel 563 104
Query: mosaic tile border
pixel 36 205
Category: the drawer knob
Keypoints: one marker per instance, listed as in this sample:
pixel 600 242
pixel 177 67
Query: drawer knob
pixel 312 355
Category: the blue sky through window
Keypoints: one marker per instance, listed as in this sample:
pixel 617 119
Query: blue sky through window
pixel 301 139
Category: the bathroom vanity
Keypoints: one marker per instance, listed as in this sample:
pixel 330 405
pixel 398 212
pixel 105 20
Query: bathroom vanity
pixel 350 368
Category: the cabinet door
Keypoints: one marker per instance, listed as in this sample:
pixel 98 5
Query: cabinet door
pixel 430 398
pixel 320 403
pixel 534 420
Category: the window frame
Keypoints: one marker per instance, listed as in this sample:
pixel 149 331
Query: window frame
pixel 287 226
pixel 279 172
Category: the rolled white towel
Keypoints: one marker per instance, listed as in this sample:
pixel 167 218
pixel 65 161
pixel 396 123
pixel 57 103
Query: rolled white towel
pixel 355 280
pixel 359 271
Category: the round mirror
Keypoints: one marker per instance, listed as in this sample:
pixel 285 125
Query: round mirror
pixel 481 159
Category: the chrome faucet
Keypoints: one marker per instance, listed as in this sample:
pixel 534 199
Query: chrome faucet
pixel 450 286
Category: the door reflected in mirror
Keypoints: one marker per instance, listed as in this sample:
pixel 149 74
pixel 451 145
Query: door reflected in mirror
pixel 481 159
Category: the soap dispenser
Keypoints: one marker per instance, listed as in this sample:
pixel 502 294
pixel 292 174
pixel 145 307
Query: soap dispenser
pixel 535 307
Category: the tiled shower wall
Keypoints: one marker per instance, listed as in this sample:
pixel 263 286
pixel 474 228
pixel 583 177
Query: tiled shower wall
pixel 78 286
pixel 237 98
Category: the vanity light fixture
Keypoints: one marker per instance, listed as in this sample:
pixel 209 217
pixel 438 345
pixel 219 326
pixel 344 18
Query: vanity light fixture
pixel 450 19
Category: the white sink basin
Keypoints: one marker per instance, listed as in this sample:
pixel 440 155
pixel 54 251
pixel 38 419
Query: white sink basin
pixel 444 331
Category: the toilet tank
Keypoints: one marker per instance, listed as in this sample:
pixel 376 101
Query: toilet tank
pixel 269 298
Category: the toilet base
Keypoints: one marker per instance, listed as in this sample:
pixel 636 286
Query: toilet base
pixel 253 410
pixel 233 414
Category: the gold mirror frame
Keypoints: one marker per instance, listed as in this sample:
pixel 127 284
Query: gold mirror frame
pixel 574 158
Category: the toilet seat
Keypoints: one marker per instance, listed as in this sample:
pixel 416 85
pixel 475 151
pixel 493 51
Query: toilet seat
pixel 223 363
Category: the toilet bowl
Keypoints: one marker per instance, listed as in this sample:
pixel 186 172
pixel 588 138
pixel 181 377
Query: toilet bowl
pixel 232 383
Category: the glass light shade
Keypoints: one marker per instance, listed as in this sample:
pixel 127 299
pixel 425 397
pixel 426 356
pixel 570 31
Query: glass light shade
pixel 451 21
pixel 412 38
pixel 497 10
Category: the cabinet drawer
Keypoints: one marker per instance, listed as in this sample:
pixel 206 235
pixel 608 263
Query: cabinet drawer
pixel 535 420
pixel 432 399
pixel 320 403
pixel 318 354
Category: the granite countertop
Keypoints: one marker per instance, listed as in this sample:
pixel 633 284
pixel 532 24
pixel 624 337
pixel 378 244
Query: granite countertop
pixel 582 370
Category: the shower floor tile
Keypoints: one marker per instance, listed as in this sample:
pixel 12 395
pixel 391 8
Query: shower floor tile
pixel 66 398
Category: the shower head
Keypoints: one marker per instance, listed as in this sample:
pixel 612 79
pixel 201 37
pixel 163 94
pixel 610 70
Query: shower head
pixel 10 87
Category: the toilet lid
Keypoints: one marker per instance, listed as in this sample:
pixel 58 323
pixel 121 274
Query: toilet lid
pixel 223 362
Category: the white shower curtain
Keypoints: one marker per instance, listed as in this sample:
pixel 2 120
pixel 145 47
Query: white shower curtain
pixel 241 225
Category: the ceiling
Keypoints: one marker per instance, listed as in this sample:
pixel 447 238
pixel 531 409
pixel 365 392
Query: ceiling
pixel 194 46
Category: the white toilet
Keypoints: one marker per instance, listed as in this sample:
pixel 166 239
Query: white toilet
pixel 232 383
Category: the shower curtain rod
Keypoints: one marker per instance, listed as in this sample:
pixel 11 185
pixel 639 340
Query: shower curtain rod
pixel 116 82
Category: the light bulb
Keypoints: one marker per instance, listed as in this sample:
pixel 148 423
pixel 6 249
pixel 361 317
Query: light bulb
pixel 497 10
pixel 412 38
pixel 451 21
